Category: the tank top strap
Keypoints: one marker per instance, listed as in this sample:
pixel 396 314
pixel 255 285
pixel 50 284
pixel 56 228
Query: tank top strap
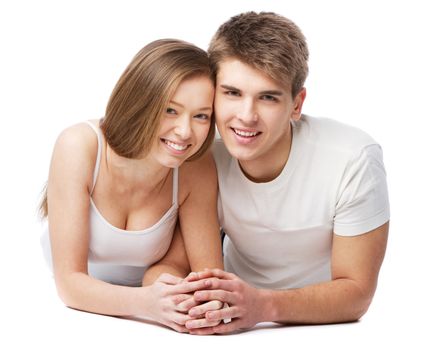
pixel 97 164
pixel 175 187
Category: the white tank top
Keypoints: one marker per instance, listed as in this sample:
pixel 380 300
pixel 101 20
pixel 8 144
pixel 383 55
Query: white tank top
pixel 119 256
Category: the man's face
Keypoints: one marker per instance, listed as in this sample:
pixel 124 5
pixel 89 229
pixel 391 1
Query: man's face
pixel 253 112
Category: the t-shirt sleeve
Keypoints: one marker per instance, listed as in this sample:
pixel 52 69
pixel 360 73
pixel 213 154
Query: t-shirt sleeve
pixel 362 203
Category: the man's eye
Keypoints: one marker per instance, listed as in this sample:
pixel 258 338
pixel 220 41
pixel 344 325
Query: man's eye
pixel 232 93
pixel 269 98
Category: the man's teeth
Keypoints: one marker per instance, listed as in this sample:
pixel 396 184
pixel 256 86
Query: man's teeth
pixel 245 133
pixel 176 146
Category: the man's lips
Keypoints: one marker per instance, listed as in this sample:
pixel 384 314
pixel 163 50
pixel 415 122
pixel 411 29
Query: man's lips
pixel 245 132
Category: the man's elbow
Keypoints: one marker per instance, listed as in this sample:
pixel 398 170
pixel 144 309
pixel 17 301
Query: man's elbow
pixel 359 311
pixel 361 303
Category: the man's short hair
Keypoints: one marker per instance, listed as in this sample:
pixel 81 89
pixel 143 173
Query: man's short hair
pixel 266 41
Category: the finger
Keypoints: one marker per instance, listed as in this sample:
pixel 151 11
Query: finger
pixel 210 283
pixel 227 327
pixel 180 298
pixel 207 273
pixel 181 319
pixel 186 305
pixel 218 294
pixel 218 283
pixel 189 287
pixel 203 308
pixel 201 331
pixel 193 276
pixel 169 279
pixel 201 323
pixel 177 327
pixel 225 314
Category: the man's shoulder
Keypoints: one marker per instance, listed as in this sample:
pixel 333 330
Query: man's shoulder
pixel 332 135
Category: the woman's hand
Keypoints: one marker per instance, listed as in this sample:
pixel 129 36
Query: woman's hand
pixel 164 296
pixel 170 298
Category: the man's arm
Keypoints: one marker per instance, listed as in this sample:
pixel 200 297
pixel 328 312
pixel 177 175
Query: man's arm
pixel 355 266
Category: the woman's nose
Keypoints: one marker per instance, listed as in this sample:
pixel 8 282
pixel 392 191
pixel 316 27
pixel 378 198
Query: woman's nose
pixel 183 127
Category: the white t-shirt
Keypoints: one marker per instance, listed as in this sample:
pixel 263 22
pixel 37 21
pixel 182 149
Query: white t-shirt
pixel 279 233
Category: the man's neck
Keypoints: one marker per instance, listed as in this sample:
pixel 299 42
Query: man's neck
pixel 269 166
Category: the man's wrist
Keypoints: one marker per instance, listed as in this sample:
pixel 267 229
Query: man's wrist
pixel 269 310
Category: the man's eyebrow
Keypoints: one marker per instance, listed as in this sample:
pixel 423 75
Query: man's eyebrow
pixel 229 87
pixel 265 92
pixel 271 92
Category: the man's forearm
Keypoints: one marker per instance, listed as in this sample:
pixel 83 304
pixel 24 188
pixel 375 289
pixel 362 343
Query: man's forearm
pixel 337 301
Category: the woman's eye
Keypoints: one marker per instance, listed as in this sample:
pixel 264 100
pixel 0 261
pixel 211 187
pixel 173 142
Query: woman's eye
pixel 171 111
pixel 202 116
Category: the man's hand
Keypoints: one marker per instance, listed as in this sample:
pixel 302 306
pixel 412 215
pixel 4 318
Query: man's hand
pixel 167 295
pixel 247 305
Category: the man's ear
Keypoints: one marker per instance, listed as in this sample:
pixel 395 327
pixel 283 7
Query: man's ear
pixel 298 104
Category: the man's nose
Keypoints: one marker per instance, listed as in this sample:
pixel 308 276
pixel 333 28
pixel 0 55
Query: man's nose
pixel 247 112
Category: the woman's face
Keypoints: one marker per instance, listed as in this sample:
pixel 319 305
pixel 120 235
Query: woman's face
pixel 186 122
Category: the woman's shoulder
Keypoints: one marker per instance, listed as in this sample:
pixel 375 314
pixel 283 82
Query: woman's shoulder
pixel 198 177
pixel 198 173
pixel 76 147
pixel 80 135
pixel 77 139
pixel 203 166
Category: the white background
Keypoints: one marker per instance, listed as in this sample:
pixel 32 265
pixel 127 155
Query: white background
pixel 59 61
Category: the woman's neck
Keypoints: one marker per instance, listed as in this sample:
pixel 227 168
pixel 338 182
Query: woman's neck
pixel 143 173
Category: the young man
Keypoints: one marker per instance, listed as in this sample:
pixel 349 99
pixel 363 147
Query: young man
pixel 303 201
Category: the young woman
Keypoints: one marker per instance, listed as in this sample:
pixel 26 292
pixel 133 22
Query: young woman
pixel 116 194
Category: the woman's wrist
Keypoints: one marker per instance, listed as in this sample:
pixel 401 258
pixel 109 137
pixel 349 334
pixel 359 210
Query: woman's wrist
pixel 141 301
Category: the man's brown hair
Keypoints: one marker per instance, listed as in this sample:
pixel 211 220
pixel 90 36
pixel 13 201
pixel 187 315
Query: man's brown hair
pixel 266 41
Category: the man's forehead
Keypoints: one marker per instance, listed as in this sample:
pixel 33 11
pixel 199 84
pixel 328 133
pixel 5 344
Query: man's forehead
pixel 238 74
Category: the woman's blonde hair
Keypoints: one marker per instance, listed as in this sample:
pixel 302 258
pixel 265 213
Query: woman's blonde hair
pixel 140 98
pixel 143 91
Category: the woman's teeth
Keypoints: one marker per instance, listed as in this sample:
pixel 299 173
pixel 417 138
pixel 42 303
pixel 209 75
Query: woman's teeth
pixel 176 146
